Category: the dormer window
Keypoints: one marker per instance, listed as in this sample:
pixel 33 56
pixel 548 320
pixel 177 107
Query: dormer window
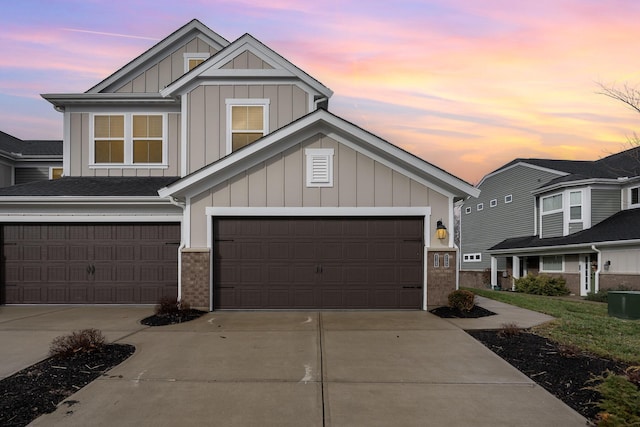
pixel 634 199
pixel 247 121
pixel 192 60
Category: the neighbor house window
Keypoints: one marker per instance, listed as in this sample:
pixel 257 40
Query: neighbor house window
pixel 552 203
pixel 476 257
pixel 319 167
pixel 108 134
pixel 480 206
pixel 55 173
pixel 128 139
pixel 552 263
pixel 634 196
pixel 493 203
pixel 467 210
pixel 192 60
pixel 247 121
pixel 575 205
pixel 508 198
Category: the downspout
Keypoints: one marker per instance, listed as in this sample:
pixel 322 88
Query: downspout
pixel 457 266
pixel 597 273
pixel 181 205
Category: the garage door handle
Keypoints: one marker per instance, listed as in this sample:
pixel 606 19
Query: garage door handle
pixel 318 269
pixel 91 269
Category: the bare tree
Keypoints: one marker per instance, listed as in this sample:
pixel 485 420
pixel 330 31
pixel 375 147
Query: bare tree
pixel 629 95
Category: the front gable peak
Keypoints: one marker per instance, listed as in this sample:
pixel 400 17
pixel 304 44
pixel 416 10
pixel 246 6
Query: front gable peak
pixel 245 58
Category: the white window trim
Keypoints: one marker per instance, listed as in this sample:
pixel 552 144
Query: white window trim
pixel 493 203
pixel 245 102
pixel 128 141
pixel 480 207
pixel 472 257
pixel 319 153
pixel 467 210
pixel 543 270
pixel 194 55
pixel 508 198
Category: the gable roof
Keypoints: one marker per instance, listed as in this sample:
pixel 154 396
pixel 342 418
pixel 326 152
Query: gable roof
pixel 319 121
pixel 190 29
pixel 16 148
pixel 620 227
pixel 91 186
pixel 213 67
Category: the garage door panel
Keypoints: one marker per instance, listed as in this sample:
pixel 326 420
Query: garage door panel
pixel 89 263
pixel 328 263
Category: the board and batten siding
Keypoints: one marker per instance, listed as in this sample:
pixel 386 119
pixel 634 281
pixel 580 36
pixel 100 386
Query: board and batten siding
pixel 207 116
pixel 80 139
pixel 166 71
pixel 483 229
pixel 280 182
pixel 604 203
pixel 552 225
pixel 247 61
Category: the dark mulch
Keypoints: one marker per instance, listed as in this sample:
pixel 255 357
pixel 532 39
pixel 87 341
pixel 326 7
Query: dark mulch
pixel 474 313
pixel 38 389
pixel 563 371
pixel 180 316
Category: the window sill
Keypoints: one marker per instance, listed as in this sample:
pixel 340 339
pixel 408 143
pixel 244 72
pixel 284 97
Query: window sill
pixel 128 166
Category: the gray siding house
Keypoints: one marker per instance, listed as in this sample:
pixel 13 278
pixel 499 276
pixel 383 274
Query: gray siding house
pixel 555 217
pixel 213 171
pixel 28 161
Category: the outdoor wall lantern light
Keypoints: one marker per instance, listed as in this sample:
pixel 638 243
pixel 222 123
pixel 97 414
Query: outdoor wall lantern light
pixel 441 230
pixel 607 265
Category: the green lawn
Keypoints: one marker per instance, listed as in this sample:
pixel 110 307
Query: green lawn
pixel 579 323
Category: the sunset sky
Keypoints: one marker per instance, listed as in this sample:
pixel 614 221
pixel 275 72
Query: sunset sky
pixel 467 85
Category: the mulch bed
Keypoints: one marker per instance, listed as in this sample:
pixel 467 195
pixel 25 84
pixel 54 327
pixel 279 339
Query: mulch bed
pixel 39 389
pixel 474 313
pixel 172 318
pixel 563 371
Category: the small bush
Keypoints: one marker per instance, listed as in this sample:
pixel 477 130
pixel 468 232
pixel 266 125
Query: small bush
pixel 603 294
pixel 84 341
pixel 542 285
pixel 620 402
pixel 509 330
pixel 462 300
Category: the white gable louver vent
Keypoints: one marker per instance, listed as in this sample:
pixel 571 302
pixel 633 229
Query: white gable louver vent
pixel 319 167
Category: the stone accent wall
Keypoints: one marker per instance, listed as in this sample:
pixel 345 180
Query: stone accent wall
pixel 441 280
pixel 195 277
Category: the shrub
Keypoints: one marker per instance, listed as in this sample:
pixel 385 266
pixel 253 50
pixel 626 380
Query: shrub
pixel 168 306
pixel 462 300
pixel 84 341
pixel 542 285
pixel 509 330
pixel 603 294
pixel 620 402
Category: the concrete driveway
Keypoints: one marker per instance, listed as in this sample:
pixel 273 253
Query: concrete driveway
pixel 298 369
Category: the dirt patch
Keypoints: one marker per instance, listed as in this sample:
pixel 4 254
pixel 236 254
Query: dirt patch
pixel 172 318
pixel 449 313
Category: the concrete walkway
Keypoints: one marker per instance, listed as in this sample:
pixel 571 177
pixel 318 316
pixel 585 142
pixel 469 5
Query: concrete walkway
pixel 290 369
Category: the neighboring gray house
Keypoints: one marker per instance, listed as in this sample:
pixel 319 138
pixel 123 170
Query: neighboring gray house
pixel 558 217
pixel 28 161
pixel 213 171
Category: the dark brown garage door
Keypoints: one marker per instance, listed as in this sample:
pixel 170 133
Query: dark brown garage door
pixel 303 263
pixel 89 263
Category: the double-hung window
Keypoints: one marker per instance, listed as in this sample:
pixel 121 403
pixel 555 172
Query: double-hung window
pixel 247 121
pixel 634 197
pixel 575 205
pixel 552 263
pixel 128 139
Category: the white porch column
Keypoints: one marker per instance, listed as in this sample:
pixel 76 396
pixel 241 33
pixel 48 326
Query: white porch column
pixel 494 272
pixel 516 274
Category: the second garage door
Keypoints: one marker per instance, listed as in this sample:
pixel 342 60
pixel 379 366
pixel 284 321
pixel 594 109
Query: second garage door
pixel 89 263
pixel 312 263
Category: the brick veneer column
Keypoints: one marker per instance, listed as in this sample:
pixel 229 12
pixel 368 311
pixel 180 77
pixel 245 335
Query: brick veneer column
pixel 441 280
pixel 196 277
